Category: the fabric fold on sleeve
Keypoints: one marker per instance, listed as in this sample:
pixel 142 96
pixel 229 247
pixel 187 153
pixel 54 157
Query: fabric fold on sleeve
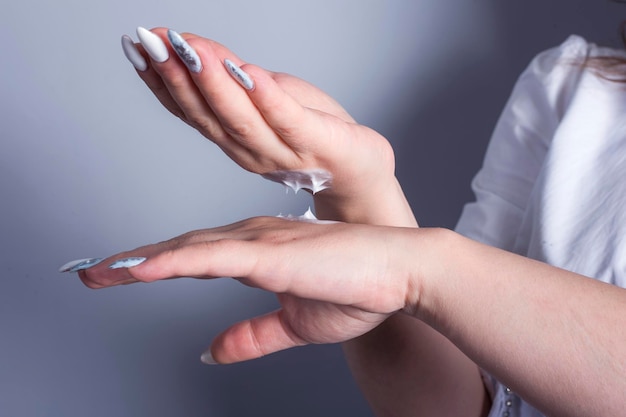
pixel 519 144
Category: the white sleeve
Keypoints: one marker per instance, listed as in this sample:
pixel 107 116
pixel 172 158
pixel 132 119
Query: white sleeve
pixel 519 144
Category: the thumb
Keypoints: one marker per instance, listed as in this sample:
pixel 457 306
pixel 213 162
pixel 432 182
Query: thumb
pixel 252 339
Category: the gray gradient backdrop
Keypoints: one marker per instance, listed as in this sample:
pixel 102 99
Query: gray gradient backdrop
pixel 90 165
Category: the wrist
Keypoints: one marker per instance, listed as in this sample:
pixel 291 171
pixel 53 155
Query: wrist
pixel 382 203
pixel 430 268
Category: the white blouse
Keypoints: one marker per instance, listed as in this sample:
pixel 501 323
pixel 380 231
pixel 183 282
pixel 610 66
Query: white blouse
pixel 553 183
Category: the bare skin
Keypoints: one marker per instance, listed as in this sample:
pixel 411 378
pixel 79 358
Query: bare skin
pixel 401 309
pixel 547 329
pixel 285 123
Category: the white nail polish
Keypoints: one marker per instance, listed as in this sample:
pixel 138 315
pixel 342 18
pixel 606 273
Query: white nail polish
pixel 153 44
pixel 78 264
pixel 207 359
pixel 127 262
pixel 185 52
pixel 240 75
pixel 132 54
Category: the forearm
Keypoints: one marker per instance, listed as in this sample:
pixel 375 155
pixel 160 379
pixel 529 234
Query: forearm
pixel 555 337
pixel 404 367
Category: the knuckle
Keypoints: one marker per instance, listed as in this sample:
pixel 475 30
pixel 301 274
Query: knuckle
pixel 242 130
pixel 195 121
pixel 199 122
pixel 289 131
pixel 208 127
pixel 175 80
pixel 178 242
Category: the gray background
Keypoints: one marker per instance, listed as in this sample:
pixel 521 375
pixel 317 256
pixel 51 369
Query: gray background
pixel 90 165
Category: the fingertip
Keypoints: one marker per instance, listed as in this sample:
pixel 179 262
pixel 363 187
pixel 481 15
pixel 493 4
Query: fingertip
pixel 142 271
pixel 83 276
pixel 253 339
pixel 255 70
pixel 228 347
pixel 128 262
pixel 260 76
pixel 158 30
pixel 153 43
pixel 101 276
pixel 133 54
pixel 265 92
pixel 207 358
pixel 241 76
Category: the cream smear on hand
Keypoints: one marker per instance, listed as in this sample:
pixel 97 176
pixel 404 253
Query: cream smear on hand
pixel 314 180
pixel 308 217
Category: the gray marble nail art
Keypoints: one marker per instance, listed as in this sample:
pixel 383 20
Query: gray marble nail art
pixel 127 262
pixel 240 75
pixel 185 52
pixel 80 264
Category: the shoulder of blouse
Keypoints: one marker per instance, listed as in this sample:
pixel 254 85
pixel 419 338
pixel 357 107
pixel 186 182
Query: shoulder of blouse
pixel 519 143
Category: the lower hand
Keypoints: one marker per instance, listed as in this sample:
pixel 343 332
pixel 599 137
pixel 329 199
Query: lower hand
pixel 334 281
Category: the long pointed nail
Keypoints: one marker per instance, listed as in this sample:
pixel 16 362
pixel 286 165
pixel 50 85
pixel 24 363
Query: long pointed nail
pixel 153 44
pixel 132 54
pixel 185 52
pixel 127 262
pixel 240 75
pixel 207 359
pixel 79 264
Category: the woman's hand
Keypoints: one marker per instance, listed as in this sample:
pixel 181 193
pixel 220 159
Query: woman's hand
pixel 281 124
pixel 518 318
pixel 334 281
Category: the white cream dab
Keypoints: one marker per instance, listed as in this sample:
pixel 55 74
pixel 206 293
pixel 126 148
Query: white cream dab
pixel 308 217
pixel 314 180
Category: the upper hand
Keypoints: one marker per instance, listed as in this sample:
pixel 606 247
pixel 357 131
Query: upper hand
pixel 283 123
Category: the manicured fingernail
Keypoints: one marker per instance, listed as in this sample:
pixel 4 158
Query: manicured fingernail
pixel 153 44
pixel 127 262
pixel 207 359
pixel 184 51
pixel 240 75
pixel 132 54
pixel 79 264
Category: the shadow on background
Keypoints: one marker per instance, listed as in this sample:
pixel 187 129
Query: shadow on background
pixel 135 351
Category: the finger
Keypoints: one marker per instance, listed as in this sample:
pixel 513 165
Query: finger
pixel 264 262
pixel 140 59
pixel 203 259
pixel 236 113
pixel 310 96
pixel 298 126
pixel 102 276
pixel 171 81
pixel 308 132
pixel 254 338
pixel 155 83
